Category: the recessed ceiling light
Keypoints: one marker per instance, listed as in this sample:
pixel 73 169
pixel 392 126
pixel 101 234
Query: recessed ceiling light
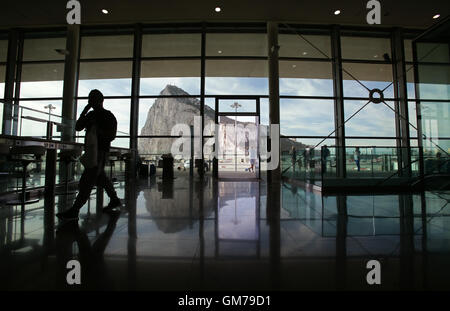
pixel 293 66
pixel 105 11
pixel 436 16
pixel 305 53
pixel 337 12
pixel 375 56
pixel 220 52
pixel 218 9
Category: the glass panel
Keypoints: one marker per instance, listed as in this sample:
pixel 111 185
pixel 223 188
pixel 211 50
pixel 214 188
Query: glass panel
pixel 121 142
pixel 241 105
pixel 434 82
pixel 373 120
pixel 369 161
pixel 34 123
pixel 306 117
pixel 408 50
pixel 155 75
pixel 264 111
pixel 301 78
pixel 349 142
pixel 412 118
pixel 372 76
pixel 166 45
pixel 3 50
pixel 45 106
pixel 238 146
pixel 236 77
pixel 436 124
pixel 106 47
pixel 301 157
pixel 365 48
pixel 296 46
pixel 151 151
pixel 210 109
pixel 236 44
pixel 42 80
pixel 111 78
pixel 2 81
pixel 121 110
pixel 433 52
pixel 44 49
pixel 158 116
pixel 410 86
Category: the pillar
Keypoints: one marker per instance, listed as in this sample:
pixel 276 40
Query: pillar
pixel 70 82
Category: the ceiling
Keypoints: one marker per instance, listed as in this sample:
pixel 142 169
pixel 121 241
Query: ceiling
pixel 405 13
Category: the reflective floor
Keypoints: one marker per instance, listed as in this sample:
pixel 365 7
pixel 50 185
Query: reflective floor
pixel 229 235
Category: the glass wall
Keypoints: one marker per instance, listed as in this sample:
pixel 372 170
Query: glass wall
pixel 41 85
pixel 433 90
pixel 367 65
pixel 169 91
pixel 235 63
pixel 3 56
pixel 106 62
pixel 306 95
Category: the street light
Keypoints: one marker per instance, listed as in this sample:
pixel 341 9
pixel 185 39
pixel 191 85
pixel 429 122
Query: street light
pixel 50 107
pixel 235 105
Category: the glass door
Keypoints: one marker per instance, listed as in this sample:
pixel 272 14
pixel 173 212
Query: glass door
pixel 237 138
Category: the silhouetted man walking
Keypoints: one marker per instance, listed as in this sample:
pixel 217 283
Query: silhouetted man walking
pixel 101 126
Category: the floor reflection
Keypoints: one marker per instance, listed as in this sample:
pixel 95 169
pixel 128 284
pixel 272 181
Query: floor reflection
pixel 208 234
pixel 238 219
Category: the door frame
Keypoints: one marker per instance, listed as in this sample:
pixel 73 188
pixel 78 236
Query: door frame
pixel 239 114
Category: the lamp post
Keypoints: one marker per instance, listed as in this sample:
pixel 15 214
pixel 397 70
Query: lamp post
pixel 235 105
pixel 50 107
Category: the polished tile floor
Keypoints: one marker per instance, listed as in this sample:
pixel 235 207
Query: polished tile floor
pixel 230 235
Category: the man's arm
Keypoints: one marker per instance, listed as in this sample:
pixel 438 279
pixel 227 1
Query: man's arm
pixel 82 120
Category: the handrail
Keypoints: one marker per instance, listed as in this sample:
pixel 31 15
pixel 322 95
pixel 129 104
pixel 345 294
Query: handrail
pixel 41 120
pixel 31 109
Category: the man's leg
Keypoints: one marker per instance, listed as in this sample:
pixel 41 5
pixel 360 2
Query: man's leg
pixel 85 185
pixel 106 183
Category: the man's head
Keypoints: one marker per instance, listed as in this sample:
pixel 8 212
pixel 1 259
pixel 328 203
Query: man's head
pixel 96 99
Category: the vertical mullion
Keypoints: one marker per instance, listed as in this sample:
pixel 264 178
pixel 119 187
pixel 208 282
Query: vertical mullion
pixel 338 88
pixel 10 81
pixel 135 88
pixel 401 104
pixel 18 80
pixel 202 86
pixel 418 110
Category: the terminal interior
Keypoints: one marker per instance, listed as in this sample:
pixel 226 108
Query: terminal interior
pixel 249 155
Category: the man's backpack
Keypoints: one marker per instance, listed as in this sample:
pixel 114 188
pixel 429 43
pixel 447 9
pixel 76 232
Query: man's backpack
pixel 107 128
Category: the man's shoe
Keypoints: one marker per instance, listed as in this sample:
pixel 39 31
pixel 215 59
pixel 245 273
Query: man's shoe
pixel 70 214
pixel 112 204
